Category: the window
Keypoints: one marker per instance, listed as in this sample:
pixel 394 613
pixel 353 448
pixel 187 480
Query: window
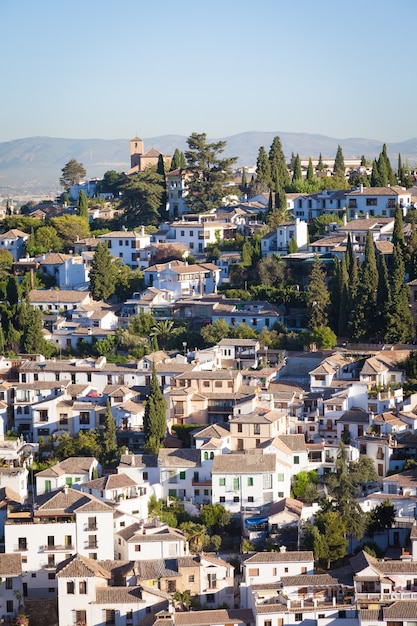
pixel 250 498
pixel 9 583
pixel 182 475
pixel 110 616
pixel 296 460
pixel 235 498
pixel 210 597
pixel 172 586
pixel 191 578
pixel 235 484
pixel 239 428
pixel 137 548
pixel 22 543
pixel 84 417
pixel 256 429
pixel 342 615
pixel 267 481
pixel 211 581
pixel 92 523
pixel 70 587
pixel 253 571
pixel 51 576
pixel 9 606
pixel 250 481
pixel 268 622
pixel 298 617
pixel 280 478
pixel 371 201
pixel 82 587
pixel 222 499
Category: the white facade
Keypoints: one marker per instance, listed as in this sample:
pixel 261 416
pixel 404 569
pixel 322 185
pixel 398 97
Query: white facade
pixel 126 245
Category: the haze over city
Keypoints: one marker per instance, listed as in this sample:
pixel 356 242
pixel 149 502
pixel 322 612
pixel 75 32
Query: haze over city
pixel 105 70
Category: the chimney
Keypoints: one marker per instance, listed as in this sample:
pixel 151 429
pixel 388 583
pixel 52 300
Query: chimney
pixel 360 188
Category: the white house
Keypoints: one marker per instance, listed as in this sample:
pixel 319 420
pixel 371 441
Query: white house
pixel 11 587
pixel 69 271
pixel 126 245
pixel 182 279
pixel 14 241
pixel 149 541
pixel 278 241
pixel 378 201
pixel 63 523
pixel 73 471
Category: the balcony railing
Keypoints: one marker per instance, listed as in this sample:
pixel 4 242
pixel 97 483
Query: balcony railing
pixel 58 548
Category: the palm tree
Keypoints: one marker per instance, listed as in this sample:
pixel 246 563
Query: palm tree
pixel 161 331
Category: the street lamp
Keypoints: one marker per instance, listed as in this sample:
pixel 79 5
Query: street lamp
pixel 184 345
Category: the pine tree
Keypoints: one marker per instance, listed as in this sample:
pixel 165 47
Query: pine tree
pixel 310 171
pixel 279 171
pixel 108 437
pixel 320 167
pixel 297 175
pixel 32 340
pixel 339 162
pixel 154 420
pixel 263 167
pixel 363 161
pixel 102 274
pixel 82 205
pixel 318 297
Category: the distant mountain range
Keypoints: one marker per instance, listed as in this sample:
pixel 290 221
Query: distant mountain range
pixel 33 165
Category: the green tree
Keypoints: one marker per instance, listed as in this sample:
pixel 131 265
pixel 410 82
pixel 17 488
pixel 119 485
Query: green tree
pixel 102 274
pixel 318 296
pixel 70 228
pixel 12 291
pixel 44 239
pixel 108 438
pixel 32 341
pixel 178 160
pixel 278 166
pixel 263 168
pixel 339 162
pixel 82 205
pixel 381 518
pixel 208 173
pixel 398 232
pixel 297 174
pixel 110 182
pixel 162 330
pixel 215 515
pixel 141 198
pixel 154 420
pixel 244 179
pixel 310 171
pixel 72 173
pixel 321 167
pixel 332 529
pixel 301 486
pixel 213 333
pixel 323 337
pixel 400 320
pixel 271 270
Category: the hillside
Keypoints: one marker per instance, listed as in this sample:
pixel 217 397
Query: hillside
pixel 33 165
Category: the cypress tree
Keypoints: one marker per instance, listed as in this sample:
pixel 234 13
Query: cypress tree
pixel 102 274
pixel 175 161
pixel 382 171
pixel 383 299
pixel 310 171
pixel 263 167
pixel 343 298
pixel 82 205
pixel 363 160
pixel 244 181
pixel 183 160
pixel 398 232
pixel 297 175
pixel 339 162
pixel 375 177
pixel 318 297
pixel 108 436
pixel 270 203
pixel 400 172
pixel 400 319
pixel 281 201
pixel 292 162
pixel 391 179
pixel 368 284
pixel 154 420
pixel 410 256
pixel 12 291
pixel 279 171
pixel 320 165
pixel 160 169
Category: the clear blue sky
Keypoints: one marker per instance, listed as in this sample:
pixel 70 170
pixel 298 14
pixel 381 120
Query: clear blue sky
pixel 111 70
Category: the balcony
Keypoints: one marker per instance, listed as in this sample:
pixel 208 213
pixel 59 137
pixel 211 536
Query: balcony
pixel 92 545
pixel 90 527
pixel 58 548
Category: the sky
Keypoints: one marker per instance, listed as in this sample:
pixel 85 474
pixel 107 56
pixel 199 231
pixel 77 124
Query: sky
pixel 112 70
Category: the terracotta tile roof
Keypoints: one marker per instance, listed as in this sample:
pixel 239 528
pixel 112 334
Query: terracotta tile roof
pixel 135 534
pixel 179 457
pixel 78 566
pixel 157 568
pixel 216 616
pixel 290 505
pixel 112 481
pixel 57 296
pixel 118 595
pixel 244 463
pixel 69 501
pixel 296 443
pixel 138 460
pixel 214 431
pixel 401 610
pixel 309 580
pixel 281 557
pixel 10 564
